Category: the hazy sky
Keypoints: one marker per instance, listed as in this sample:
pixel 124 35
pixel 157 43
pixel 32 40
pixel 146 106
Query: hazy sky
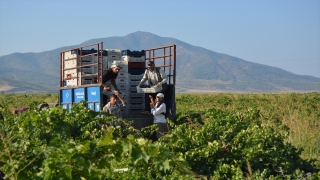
pixel 279 33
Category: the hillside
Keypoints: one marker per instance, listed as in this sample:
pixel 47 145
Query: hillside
pixel 197 68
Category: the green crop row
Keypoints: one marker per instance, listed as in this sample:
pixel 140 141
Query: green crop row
pixel 300 112
pixel 214 136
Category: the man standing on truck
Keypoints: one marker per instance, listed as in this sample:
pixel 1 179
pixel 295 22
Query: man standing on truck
pixel 111 74
pixel 155 77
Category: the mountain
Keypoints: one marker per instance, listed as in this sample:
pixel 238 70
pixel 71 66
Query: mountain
pixel 197 69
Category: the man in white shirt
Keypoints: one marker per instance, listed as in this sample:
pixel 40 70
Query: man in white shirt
pixel 155 76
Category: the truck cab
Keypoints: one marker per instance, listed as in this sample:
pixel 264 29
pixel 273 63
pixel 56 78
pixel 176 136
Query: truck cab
pixel 81 70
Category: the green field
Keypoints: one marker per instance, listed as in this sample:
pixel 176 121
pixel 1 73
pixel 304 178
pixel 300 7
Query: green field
pixel 215 136
pixel 300 112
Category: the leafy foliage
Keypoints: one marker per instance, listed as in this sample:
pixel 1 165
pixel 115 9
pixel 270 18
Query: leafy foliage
pixel 207 143
pixel 56 144
pixel 235 145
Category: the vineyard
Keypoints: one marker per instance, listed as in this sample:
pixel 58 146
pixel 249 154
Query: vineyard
pixel 214 136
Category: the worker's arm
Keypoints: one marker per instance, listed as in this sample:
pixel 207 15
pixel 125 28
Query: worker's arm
pixel 159 110
pixel 106 87
pixel 163 76
pixel 113 82
pixel 121 99
pixel 144 78
pixel 152 103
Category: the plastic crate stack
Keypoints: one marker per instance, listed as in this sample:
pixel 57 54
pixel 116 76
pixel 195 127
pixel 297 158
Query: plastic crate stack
pixel 86 60
pixel 70 64
pixel 73 74
pixel 136 63
pixel 109 56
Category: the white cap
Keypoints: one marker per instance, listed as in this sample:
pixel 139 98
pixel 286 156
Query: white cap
pixel 115 66
pixel 160 95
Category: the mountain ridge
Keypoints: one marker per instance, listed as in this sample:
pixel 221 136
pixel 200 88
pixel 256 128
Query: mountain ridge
pixel 197 68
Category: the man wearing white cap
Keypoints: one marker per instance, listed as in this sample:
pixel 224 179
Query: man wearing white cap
pixel 158 110
pixel 111 74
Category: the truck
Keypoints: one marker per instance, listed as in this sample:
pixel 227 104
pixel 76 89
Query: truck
pixel 81 69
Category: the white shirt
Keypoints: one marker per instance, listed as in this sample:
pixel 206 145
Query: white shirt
pixel 156 112
pixel 153 77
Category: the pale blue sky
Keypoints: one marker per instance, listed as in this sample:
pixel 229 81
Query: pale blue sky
pixel 279 33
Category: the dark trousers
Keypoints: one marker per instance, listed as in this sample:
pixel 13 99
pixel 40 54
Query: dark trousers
pixel 162 129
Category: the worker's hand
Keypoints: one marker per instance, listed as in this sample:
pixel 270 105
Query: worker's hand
pixel 151 105
pixel 116 93
pixel 151 100
pixel 108 88
pixel 159 84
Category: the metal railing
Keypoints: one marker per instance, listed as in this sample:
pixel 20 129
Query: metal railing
pixel 168 56
pixel 79 54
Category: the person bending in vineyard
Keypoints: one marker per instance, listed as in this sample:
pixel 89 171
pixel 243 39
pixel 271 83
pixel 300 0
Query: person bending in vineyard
pixel 19 110
pixel 43 106
pixel 158 110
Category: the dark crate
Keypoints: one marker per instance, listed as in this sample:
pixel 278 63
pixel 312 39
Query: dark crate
pixel 137 65
pixel 133 53
pixel 91 51
pixel 136 71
